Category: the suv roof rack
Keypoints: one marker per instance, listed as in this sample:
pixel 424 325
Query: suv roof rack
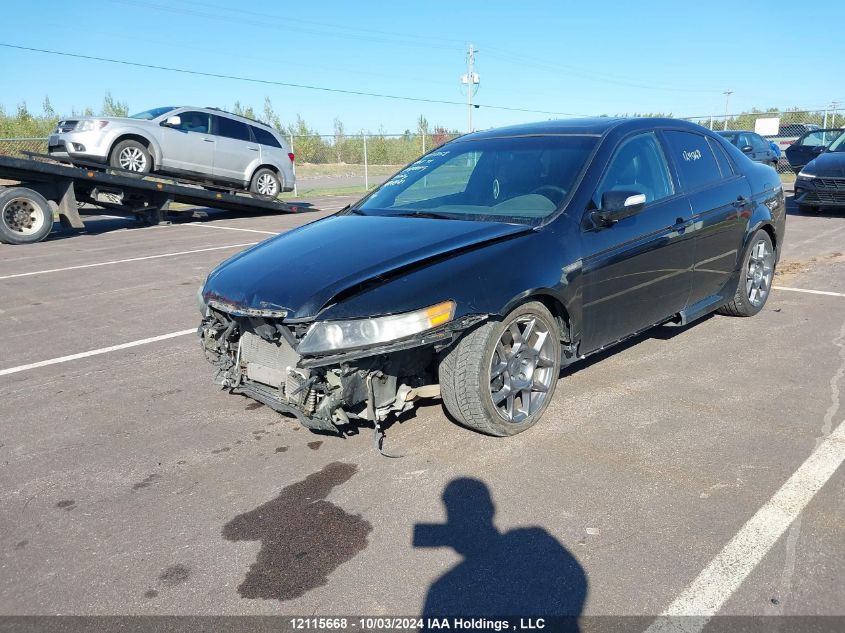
pixel 241 116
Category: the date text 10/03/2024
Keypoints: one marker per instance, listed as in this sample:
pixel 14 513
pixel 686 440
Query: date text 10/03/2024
pixel 423 624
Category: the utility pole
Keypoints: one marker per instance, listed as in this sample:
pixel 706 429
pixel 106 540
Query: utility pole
pixel 834 106
pixel 727 94
pixel 470 80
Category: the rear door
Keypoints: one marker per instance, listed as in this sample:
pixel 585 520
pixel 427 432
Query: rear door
pixel 636 272
pixel 189 146
pixel 236 149
pixel 720 197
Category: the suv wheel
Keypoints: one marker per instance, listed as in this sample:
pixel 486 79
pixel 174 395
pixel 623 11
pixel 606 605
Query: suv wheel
pixel 755 279
pixel 499 378
pixel 131 156
pixel 266 183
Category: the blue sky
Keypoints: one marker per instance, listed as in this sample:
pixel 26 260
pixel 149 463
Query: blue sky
pixel 580 58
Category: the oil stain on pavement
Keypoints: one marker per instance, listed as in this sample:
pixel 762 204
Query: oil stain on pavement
pixel 304 538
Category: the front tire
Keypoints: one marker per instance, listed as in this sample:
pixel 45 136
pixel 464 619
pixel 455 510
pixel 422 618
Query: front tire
pixel 266 184
pixel 756 275
pixel 25 216
pixel 131 156
pixel 500 377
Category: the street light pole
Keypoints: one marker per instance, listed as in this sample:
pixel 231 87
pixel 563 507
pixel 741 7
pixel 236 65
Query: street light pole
pixel 727 94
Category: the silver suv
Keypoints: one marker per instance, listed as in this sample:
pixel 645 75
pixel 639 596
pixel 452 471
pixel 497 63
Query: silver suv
pixel 204 143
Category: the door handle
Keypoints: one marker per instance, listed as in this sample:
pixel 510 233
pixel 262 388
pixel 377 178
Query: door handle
pixel 254 149
pixel 740 202
pixel 208 140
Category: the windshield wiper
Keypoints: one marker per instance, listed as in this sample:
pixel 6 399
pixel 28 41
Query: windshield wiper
pixel 424 214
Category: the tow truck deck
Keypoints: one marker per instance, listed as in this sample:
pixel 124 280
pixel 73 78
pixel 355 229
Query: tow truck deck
pixel 47 185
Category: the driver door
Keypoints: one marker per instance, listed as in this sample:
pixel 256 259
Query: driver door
pixel 189 146
pixel 636 272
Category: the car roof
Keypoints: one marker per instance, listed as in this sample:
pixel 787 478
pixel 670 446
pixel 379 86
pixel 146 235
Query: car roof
pixel 590 126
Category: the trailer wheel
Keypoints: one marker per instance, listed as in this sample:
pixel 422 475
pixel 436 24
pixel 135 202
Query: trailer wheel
pixel 25 216
pixel 131 156
pixel 266 184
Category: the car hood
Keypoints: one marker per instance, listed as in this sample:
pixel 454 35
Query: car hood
pixel 827 165
pixel 314 266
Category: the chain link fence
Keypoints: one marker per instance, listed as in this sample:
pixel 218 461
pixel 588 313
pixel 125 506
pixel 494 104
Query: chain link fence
pixel 17 146
pixel 354 163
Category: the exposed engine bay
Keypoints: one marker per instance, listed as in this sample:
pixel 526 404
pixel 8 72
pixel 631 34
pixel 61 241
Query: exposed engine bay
pixel 258 357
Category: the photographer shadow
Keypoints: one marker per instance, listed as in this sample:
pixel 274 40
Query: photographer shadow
pixel 524 572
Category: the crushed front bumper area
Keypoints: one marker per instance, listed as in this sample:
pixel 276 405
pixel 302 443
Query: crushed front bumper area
pixel 257 357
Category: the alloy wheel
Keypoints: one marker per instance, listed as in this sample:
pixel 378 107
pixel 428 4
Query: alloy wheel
pixel 758 277
pixel 132 159
pixel 522 369
pixel 267 185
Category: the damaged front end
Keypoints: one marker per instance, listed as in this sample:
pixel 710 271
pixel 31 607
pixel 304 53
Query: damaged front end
pixel 302 368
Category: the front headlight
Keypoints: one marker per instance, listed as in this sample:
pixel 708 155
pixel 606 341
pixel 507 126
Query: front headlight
pixel 89 125
pixel 332 336
pixel 201 304
pixel 805 174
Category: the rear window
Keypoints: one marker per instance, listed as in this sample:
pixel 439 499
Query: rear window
pixel 265 137
pixel 693 157
pixel 232 129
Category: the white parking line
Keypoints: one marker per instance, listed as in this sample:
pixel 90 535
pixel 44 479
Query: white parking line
pixel 94 352
pixel 811 292
pixel 123 261
pixel 227 228
pixel 705 595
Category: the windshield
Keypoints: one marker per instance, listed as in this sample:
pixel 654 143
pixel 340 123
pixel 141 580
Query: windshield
pixel 149 115
pixel 518 179
pixel 838 145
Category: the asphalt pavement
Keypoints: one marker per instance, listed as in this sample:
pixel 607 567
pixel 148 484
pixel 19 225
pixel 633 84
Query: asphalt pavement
pixel 131 484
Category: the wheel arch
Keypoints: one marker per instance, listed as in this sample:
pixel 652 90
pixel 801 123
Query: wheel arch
pixel 152 146
pixel 553 304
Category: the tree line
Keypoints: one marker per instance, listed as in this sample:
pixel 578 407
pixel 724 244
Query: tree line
pixel 309 146
pixel 344 147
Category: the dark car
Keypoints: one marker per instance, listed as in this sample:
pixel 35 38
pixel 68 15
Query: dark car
pixel 488 264
pixel 753 145
pixel 810 145
pixel 821 182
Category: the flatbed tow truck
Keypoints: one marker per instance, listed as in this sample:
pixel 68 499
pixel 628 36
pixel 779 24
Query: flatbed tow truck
pixel 47 186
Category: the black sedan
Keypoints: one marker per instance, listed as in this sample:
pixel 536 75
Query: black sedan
pixel 821 182
pixel 482 268
pixel 752 145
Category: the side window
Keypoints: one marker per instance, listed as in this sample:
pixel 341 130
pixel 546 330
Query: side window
pixel 813 139
pixel 759 144
pixel 744 141
pixel 724 162
pixel 696 163
pixel 265 137
pixel 194 122
pixel 232 129
pixel 638 165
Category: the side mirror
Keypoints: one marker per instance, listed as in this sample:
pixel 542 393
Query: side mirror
pixel 747 149
pixel 618 205
pixel 173 121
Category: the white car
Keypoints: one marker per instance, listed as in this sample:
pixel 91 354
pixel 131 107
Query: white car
pixel 204 143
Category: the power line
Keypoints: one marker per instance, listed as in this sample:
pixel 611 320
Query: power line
pixel 282 83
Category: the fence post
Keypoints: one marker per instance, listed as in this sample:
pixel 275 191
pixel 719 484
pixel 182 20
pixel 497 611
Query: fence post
pixel 366 171
pixel 293 166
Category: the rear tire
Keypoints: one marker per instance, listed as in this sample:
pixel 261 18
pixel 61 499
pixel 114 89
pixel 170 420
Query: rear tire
pixel 131 156
pixel 25 216
pixel 266 184
pixel 500 377
pixel 756 274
